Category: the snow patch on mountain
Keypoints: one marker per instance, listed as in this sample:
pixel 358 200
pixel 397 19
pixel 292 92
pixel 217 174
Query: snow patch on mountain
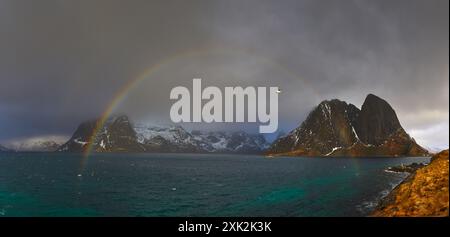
pixel 214 141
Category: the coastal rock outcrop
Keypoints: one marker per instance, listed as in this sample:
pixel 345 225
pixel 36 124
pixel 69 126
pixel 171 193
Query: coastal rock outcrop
pixel 424 193
pixel 411 168
pixel 335 128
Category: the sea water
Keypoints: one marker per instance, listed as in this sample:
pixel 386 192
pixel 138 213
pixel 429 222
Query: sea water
pixel 61 184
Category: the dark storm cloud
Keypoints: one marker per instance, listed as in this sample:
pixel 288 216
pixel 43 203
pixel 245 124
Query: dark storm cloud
pixel 62 61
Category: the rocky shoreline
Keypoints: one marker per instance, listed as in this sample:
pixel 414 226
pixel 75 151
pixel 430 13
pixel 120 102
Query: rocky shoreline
pixel 411 168
pixel 424 193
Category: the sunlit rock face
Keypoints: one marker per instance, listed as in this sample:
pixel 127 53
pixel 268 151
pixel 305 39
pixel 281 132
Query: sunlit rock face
pixel 424 193
pixel 335 128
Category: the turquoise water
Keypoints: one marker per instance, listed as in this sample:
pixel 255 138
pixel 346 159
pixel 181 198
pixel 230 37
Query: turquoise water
pixel 55 184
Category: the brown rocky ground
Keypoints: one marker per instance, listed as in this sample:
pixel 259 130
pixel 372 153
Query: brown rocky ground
pixel 423 193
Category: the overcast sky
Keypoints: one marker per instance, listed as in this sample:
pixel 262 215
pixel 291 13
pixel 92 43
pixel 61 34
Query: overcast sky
pixel 61 62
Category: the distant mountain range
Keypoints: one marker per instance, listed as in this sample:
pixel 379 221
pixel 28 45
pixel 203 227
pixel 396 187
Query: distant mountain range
pixel 333 128
pixel 4 149
pixel 336 128
pixel 119 135
pixel 35 145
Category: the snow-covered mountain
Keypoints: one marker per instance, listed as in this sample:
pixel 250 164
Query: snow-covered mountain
pixel 120 135
pixel 37 144
pixel 4 149
pixel 176 138
pixel 167 139
pixel 231 142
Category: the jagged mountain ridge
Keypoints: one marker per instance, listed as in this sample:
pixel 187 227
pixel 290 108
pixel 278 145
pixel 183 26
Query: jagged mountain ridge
pixel 336 128
pixel 231 142
pixel 119 135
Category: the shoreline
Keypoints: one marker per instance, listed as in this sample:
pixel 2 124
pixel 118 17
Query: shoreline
pixel 425 192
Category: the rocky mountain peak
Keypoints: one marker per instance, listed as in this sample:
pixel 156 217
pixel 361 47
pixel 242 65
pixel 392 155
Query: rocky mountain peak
pixel 329 125
pixel 377 121
pixel 116 135
pixel 336 128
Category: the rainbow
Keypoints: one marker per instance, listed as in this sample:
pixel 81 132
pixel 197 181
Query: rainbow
pixel 121 94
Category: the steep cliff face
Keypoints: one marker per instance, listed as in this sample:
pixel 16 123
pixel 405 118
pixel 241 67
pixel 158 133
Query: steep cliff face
pixel 329 126
pixel 117 135
pixel 335 128
pixel 424 193
pixel 377 121
pixel 80 139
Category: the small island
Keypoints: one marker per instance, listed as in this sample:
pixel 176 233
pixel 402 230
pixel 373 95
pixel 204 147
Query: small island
pixel 406 168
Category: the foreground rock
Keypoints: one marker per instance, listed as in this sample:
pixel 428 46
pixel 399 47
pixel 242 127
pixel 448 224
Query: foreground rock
pixel 335 128
pixel 423 193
